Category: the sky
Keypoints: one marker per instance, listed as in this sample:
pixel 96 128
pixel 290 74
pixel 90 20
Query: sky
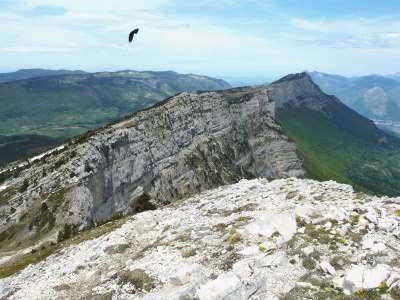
pixel 223 38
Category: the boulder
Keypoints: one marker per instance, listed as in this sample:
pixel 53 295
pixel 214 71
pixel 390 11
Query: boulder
pixel 363 277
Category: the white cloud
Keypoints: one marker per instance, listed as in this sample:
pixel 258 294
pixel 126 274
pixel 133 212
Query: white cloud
pixel 22 49
pixel 89 24
pixel 351 32
pixel 93 35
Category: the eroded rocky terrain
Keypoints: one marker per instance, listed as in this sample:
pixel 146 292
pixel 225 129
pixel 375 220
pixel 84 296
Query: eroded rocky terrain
pixel 283 239
pixel 187 144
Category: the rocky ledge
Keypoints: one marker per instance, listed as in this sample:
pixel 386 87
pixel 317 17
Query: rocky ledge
pixel 284 239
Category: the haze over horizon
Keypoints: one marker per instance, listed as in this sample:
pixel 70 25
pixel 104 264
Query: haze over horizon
pixel 249 38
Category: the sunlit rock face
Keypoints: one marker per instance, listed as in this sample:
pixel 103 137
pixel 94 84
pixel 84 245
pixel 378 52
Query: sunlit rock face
pixel 191 143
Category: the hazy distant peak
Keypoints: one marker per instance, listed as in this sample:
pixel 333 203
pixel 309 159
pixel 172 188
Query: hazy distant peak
pixel 294 77
pixel 34 73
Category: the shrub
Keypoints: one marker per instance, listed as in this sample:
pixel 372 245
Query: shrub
pixel 5 175
pixel 309 263
pixel 189 253
pixel 234 238
pixel 24 186
pixel 138 278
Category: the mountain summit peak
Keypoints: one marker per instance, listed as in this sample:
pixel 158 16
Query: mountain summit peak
pixel 295 76
pixel 298 90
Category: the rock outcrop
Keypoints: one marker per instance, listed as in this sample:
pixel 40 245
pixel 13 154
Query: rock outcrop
pixel 284 239
pixel 186 144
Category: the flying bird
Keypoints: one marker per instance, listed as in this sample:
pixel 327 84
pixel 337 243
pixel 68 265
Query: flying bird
pixel 132 34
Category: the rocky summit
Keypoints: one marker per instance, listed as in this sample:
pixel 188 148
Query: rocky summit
pixel 257 239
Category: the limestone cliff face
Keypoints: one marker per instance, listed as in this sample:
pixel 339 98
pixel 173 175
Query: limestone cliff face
pixel 186 144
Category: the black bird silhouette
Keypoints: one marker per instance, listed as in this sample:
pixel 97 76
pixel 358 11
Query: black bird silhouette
pixel 132 34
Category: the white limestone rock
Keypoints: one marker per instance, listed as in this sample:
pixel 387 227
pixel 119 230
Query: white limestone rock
pixel 266 225
pixel 363 277
pixel 220 244
pixel 327 268
pixel 308 250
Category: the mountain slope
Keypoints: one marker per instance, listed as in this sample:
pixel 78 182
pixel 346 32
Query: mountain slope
pixel 285 239
pixel 32 73
pixel 336 142
pixel 184 145
pixel 376 97
pixel 60 107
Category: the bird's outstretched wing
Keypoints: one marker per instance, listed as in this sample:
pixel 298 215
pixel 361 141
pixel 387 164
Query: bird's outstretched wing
pixel 133 32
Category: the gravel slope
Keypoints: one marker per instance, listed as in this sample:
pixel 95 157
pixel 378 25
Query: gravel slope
pixel 288 239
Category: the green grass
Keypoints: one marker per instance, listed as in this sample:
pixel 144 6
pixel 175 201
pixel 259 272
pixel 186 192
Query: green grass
pixel 19 263
pixel 344 149
pixel 38 222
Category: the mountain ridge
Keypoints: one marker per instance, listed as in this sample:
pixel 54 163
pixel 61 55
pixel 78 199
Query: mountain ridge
pixel 342 145
pixel 23 74
pixel 187 144
pixel 322 101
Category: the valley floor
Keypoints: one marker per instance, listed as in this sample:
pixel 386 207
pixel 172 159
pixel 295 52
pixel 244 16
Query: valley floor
pixel 285 239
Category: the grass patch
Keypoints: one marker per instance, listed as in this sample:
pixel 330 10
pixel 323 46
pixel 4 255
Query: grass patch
pixel 189 253
pixel 130 123
pixel 234 238
pixel 38 221
pixel 309 264
pixel 138 278
pixel 21 262
pixel 243 219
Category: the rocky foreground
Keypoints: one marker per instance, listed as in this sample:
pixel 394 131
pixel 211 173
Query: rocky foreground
pixel 284 239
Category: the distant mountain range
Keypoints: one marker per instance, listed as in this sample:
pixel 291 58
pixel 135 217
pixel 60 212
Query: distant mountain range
pixel 239 81
pixel 32 73
pixel 374 96
pixel 55 105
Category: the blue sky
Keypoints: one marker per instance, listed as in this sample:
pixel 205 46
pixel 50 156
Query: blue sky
pixel 235 38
